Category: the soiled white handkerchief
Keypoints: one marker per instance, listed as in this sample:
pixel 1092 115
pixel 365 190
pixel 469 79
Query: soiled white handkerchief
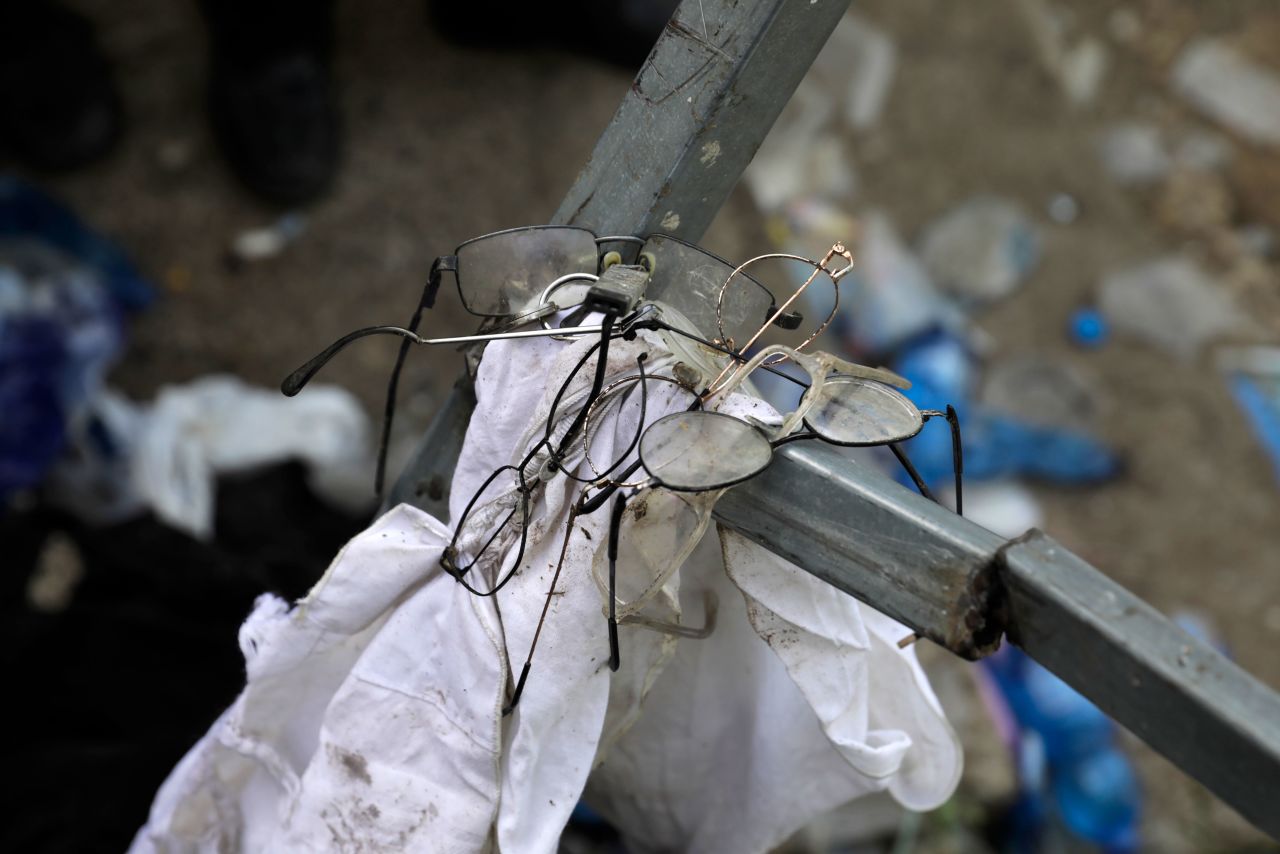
pixel 371 716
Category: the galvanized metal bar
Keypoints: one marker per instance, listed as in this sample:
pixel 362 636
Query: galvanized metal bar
pixel 885 545
pixel 704 100
pixel 1177 694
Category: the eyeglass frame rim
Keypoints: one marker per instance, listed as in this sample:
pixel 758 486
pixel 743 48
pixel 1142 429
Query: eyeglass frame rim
pixel 449 263
pixel 743 372
pixel 656 482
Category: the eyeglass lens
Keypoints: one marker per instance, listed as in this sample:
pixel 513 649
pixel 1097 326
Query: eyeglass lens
pixel 702 450
pixel 505 273
pixel 854 411
pixel 689 280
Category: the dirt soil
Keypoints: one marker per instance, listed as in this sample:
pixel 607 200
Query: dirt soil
pixel 443 144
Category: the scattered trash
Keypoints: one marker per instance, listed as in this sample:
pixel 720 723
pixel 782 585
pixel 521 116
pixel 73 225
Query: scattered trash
pixel 1004 507
pixel 1089 328
pixel 1138 153
pixel 874 57
pixel 259 244
pixel 1048 392
pixel 807 156
pixel 1079 67
pixel 64 292
pixel 1134 153
pixel 889 297
pixel 980 250
pixel 1000 446
pixel 92 479
pixel 795 166
pixel 996 445
pixel 1063 208
pixel 59 568
pixel 219 425
pixel 1231 89
pixel 1074 777
pixel 1169 302
pixel 26 212
pixel 1254 376
pixel 852 73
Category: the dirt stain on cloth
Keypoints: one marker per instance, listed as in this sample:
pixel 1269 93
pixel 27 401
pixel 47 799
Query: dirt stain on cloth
pixel 355 764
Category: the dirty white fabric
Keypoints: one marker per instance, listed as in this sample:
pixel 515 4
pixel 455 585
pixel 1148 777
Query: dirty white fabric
pixel 371 717
pixel 167 454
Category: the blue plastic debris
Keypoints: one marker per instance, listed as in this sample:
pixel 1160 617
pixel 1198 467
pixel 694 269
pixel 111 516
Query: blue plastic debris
pixel 64 292
pixel 1260 401
pixel 1089 328
pixel 1072 775
pixel 996 445
pixel 27 212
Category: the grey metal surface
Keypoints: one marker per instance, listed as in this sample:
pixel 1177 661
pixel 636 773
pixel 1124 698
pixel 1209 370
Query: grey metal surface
pixel 1179 695
pixel 701 105
pixel 863 533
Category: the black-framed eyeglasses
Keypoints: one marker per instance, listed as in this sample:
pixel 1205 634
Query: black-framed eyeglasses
pixel 516 276
pixel 504 276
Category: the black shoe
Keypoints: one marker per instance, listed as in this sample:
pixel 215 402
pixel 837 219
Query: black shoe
pixel 58 107
pixel 276 122
pixel 621 32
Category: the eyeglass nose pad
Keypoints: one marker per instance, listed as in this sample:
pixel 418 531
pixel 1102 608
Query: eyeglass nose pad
pixel 789 320
pixel 610 259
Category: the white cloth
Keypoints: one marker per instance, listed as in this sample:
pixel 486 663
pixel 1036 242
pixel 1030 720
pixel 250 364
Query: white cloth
pixel 372 718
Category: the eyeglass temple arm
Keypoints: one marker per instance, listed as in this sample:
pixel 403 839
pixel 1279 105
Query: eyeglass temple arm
pixel 615 531
pixel 295 381
pixel 911 472
pixel 427 301
pixel 957 450
pixel 865 372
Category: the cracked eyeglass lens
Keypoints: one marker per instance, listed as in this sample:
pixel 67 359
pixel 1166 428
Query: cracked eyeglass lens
pixel 855 411
pixel 689 280
pixel 694 451
pixel 505 274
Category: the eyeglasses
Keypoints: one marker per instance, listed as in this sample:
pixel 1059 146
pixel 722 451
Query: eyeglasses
pixel 505 276
pixel 689 458
pixel 520 275
pixel 703 452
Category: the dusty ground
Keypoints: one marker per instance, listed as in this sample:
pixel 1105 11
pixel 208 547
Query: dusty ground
pixel 445 144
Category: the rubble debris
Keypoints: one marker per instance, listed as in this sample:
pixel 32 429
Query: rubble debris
pixel 980 250
pixel 1078 67
pixel 1169 302
pixel 1230 89
pixel 1134 153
